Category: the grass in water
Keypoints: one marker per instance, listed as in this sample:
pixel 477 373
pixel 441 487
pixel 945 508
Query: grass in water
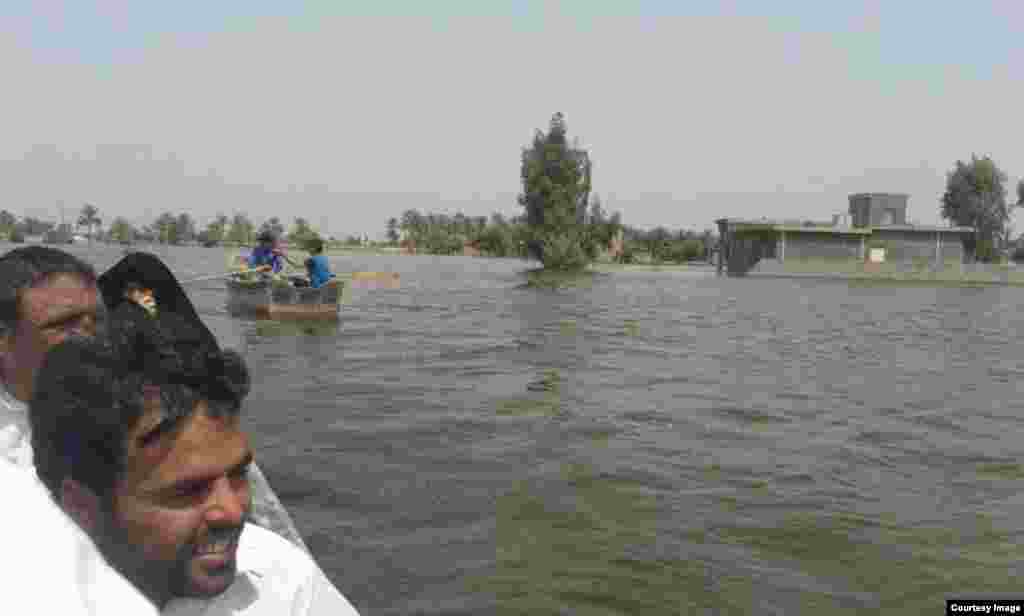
pixel 903 569
pixel 581 556
pixel 541 278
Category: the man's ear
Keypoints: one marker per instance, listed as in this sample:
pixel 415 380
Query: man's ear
pixel 81 504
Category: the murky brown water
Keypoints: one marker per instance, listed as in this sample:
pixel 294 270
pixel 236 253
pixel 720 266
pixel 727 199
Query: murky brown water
pixel 656 443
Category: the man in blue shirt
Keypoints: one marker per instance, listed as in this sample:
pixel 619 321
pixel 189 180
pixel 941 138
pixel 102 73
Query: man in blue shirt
pixel 267 255
pixel 317 266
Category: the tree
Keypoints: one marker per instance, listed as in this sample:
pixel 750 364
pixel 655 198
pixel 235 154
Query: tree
pixel 121 231
pixel 556 180
pixel 34 226
pixel 273 225
pixel 166 227
pixel 89 218
pixel 393 234
pixel 216 230
pixel 241 229
pixel 7 223
pixel 301 232
pixel 975 197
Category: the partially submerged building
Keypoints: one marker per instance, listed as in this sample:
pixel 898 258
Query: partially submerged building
pixel 875 229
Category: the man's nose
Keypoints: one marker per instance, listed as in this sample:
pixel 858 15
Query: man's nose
pixel 229 500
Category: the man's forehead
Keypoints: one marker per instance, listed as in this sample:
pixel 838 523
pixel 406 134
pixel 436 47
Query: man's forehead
pixel 57 293
pixel 198 444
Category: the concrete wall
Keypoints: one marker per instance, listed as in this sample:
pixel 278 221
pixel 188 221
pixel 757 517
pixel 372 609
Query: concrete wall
pixel 916 245
pixel 820 245
pixel 876 209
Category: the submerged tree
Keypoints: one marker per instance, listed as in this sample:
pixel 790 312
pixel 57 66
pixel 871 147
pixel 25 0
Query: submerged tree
pixel 556 181
pixel 975 197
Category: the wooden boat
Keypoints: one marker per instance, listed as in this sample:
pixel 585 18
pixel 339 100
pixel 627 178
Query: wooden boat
pixel 286 301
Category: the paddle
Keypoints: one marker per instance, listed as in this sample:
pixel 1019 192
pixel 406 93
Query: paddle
pixel 262 268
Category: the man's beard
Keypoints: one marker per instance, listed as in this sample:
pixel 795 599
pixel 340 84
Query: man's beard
pixel 159 580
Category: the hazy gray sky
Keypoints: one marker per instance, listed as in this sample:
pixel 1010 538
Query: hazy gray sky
pixel 348 113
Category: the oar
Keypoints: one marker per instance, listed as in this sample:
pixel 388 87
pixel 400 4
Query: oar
pixel 221 275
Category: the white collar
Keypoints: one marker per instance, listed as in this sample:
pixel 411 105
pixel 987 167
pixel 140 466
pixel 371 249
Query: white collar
pixel 9 404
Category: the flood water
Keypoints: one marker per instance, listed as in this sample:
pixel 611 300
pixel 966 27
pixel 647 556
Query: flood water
pixel 655 443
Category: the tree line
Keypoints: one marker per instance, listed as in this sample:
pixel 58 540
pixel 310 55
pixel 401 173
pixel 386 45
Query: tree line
pixel 168 228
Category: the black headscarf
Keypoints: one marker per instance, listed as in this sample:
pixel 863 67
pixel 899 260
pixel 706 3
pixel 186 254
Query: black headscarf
pixel 174 345
pixel 149 272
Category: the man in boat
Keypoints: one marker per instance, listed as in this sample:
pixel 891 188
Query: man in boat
pixel 267 256
pixel 154 468
pixel 50 566
pixel 46 295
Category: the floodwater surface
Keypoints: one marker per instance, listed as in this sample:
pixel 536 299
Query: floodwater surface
pixel 652 443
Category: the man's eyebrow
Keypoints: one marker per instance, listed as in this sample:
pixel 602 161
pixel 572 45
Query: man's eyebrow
pixel 203 478
pixel 60 316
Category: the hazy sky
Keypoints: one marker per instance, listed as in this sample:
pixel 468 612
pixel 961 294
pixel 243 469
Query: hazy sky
pixel 348 113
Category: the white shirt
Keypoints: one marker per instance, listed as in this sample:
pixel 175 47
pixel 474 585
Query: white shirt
pixel 48 565
pixel 275 578
pixel 15 439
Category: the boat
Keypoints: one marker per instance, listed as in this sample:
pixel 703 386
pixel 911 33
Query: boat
pixel 283 299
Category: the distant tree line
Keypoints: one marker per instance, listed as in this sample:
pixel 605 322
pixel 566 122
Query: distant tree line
pixel 660 245
pixel 441 234
pixel 168 228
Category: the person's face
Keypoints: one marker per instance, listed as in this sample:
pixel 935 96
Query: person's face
pixel 62 305
pixel 178 511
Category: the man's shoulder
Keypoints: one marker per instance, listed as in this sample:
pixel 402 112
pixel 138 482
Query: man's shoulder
pixel 274 578
pixel 264 551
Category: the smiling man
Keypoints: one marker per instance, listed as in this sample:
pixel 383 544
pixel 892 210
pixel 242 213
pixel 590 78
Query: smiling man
pixel 155 471
pixel 45 296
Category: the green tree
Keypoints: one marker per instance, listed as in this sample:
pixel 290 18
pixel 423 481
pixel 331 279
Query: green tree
pixel 166 227
pixel 301 232
pixel 121 231
pixel 89 218
pixel 216 230
pixel 241 229
pixel 7 223
pixel 556 180
pixel 392 233
pixel 975 197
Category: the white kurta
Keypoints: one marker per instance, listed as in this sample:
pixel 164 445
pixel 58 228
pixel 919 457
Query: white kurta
pixel 274 578
pixel 49 566
pixel 15 440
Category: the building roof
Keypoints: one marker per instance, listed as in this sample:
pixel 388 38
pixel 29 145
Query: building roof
pixel 789 226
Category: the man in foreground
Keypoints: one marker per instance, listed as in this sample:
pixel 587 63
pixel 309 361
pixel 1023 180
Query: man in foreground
pixel 54 569
pixel 154 471
pixel 45 296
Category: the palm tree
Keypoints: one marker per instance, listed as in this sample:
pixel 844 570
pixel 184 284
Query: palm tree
pixel 89 218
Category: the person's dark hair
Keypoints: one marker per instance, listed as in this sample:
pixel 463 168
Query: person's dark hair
pixel 266 237
pixel 28 266
pixel 89 396
pixel 315 245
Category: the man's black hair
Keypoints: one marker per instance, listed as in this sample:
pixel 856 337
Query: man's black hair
pixel 28 266
pixel 89 397
pixel 315 245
